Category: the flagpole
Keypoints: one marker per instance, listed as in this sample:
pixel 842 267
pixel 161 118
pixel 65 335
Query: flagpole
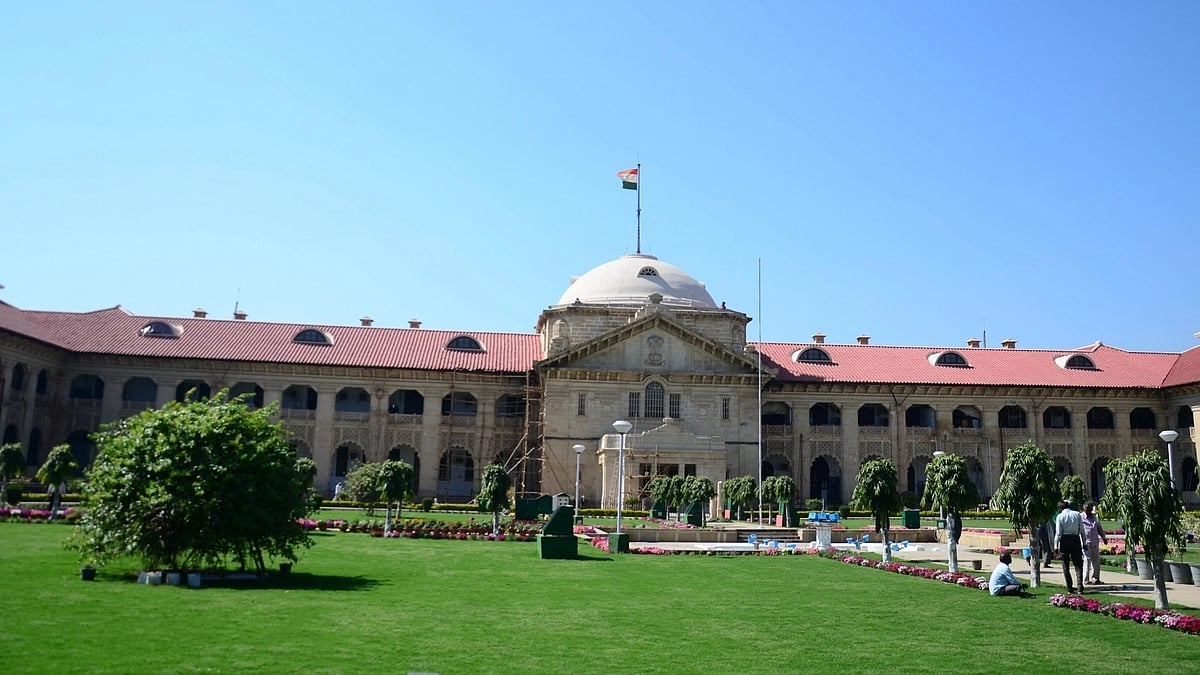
pixel 639 208
pixel 760 429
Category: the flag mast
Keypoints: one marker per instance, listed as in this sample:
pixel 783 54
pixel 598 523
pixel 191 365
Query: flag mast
pixel 639 208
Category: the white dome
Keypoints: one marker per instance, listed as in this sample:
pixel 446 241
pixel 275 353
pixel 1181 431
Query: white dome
pixel 630 279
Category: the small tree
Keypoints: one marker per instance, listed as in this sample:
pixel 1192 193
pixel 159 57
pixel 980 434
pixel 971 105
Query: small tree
pixel 698 489
pixel 876 492
pixel 1139 493
pixel 1074 490
pixel 782 492
pixel 948 487
pixel 660 489
pixel 12 465
pixel 675 492
pixel 395 477
pixel 1029 492
pixel 493 493
pixel 364 485
pixel 739 491
pixel 59 467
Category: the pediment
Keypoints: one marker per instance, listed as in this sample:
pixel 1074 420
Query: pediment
pixel 653 344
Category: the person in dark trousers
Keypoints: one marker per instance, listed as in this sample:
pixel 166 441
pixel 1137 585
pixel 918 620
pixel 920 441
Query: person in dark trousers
pixel 1068 540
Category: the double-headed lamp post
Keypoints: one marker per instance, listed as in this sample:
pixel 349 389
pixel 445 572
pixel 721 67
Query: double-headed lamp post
pixel 622 427
pixel 1169 436
pixel 578 454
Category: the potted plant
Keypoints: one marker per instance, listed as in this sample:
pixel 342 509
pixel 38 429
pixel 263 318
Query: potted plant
pixel 87 573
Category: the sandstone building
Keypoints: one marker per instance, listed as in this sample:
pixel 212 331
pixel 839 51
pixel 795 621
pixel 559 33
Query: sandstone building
pixel 635 338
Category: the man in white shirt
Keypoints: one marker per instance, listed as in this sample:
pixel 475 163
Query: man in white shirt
pixel 1003 581
pixel 1068 541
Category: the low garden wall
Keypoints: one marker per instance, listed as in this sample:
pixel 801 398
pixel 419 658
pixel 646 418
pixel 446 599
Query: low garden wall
pixel 923 535
pixel 655 535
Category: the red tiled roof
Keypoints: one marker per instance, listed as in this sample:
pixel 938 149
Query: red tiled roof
pixel 1115 368
pixel 115 331
pixel 1186 369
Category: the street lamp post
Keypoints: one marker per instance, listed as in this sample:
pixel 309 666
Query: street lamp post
pixel 1169 436
pixel 622 427
pixel 941 507
pixel 578 454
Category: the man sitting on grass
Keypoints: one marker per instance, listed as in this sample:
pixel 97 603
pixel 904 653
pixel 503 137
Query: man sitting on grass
pixel 1003 582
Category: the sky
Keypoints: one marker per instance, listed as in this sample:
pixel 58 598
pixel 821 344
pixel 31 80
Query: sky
pixel 919 172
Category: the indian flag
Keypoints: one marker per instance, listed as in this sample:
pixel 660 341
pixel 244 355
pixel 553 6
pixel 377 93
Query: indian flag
pixel 629 179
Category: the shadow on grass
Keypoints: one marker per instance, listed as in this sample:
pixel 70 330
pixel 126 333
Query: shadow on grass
pixel 295 581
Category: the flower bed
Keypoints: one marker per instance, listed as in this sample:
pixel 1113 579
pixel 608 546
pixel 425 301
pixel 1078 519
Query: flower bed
pixel 426 529
pixel 38 515
pixel 1184 623
pixel 956 578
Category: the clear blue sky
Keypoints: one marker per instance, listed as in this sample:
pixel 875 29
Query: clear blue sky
pixel 913 171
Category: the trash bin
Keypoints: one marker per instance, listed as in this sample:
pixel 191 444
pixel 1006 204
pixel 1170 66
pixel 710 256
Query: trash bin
pixel 910 518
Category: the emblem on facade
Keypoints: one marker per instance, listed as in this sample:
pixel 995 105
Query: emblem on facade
pixel 654 355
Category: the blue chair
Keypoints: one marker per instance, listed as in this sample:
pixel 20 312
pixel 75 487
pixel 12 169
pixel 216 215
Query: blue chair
pixel 752 539
pixel 866 538
pixel 834 517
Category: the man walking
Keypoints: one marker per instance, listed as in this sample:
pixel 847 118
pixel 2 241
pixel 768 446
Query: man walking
pixel 1068 540
pixel 1093 534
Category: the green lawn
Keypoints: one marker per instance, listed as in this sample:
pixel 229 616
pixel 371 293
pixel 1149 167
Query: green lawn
pixel 361 604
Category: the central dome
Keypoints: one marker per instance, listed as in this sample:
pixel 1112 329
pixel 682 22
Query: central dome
pixel 630 279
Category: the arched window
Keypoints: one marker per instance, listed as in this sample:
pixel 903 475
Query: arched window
pixel 1100 418
pixel 1142 418
pixel 459 404
pixel 647 272
pixel 1080 362
pixel 951 359
pixel 18 378
pixel 872 415
pixel 655 395
pixel 465 343
pixel 824 415
pixel 312 336
pixel 1012 417
pixel 814 355
pixel 159 329
pixel 920 416
pixel 1056 417
pixel 776 413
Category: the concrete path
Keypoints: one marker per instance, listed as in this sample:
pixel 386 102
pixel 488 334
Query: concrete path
pixel 1114 583
pixel 1117 584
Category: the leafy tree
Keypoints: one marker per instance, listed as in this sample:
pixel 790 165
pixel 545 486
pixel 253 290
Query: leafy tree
pixel 697 489
pixel 1074 490
pixel 739 491
pixel 876 492
pixel 1139 493
pixel 675 492
pixel 364 485
pixel 948 487
pixel 193 484
pixel 12 465
pixel 59 467
pixel 783 491
pixel 493 493
pixel 660 489
pixel 1029 492
pixel 395 478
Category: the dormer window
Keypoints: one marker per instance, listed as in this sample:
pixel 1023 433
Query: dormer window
pixel 159 329
pixel 648 272
pixel 953 359
pixel 1080 362
pixel 312 336
pixel 814 355
pixel 465 343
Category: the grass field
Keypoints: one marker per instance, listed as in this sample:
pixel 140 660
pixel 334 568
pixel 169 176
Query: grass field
pixel 357 604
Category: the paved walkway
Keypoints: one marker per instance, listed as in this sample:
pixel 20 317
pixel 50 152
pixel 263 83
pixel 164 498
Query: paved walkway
pixel 1115 584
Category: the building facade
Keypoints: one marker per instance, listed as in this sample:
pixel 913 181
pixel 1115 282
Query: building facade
pixel 636 339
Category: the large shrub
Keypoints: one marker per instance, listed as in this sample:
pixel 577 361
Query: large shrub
pixel 194 484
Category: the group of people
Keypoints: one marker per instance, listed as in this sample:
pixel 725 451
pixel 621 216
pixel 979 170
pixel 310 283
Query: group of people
pixel 1077 538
